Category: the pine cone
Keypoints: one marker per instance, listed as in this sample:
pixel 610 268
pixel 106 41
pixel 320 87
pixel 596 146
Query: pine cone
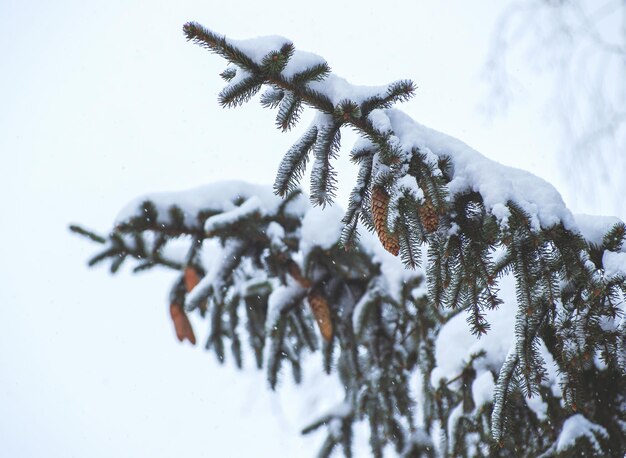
pixel 191 278
pixel 321 311
pixel 380 207
pixel 429 216
pixel 296 273
pixel 181 324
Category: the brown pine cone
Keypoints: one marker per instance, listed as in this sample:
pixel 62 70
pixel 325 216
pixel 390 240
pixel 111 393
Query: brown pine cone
pixel 429 216
pixel 182 325
pixel 296 273
pixel 191 278
pixel 380 207
pixel 321 312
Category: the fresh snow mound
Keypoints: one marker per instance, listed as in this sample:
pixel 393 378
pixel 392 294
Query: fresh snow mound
pixel 337 89
pixel 281 297
pixel 594 227
pixel 577 426
pixel 482 389
pixel 321 227
pixel 258 48
pixel 249 207
pixel 300 61
pixel 455 343
pixel 614 264
pixel 497 183
pixel 221 196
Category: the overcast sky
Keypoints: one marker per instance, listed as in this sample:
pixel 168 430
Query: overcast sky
pixel 103 101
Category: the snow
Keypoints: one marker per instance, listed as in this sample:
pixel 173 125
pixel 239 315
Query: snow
pixel 240 75
pixel 359 309
pixel 420 437
pixel 276 233
pixel 337 89
pixel 453 419
pixel 455 344
pixel 391 267
pixel 281 297
pixel 497 183
pixel 321 227
pixel 409 183
pixel 380 121
pixel 219 197
pixel 537 405
pixel 218 256
pixel 175 250
pixel 502 213
pixel 300 61
pixel 362 143
pixel 333 86
pixel 482 389
pixel 594 227
pixel 249 207
pixel 553 376
pixel 577 426
pixel 614 263
pixel 258 48
pixel 431 159
pixel 340 410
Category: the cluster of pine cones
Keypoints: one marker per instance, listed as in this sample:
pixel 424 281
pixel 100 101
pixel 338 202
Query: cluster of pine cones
pixel 380 209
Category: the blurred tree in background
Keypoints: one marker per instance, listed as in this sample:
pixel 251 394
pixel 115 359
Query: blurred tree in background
pixel 579 48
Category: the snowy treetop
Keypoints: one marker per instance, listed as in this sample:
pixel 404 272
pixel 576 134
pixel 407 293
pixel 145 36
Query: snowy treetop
pixel 505 292
pixel 471 171
pixel 334 87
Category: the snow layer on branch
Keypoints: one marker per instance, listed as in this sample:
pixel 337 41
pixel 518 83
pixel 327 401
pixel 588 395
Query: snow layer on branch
pixel 456 344
pixel 337 89
pixel 359 309
pixel 497 183
pixel 340 410
pixel 380 121
pixel 482 389
pixel 577 426
pixel 249 207
pixel 214 256
pixel 257 48
pixel 614 264
pixel 333 86
pixel 276 234
pixel 300 61
pixel 321 227
pixel 594 227
pixel 281 297
pixel 409 183
pixel 453 419
pixel 218 197
pixel 394 273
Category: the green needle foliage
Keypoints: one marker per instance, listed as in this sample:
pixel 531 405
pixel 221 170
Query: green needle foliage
pixel 569 304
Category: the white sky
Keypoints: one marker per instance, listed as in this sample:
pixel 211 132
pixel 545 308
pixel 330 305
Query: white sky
pixel 102 101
